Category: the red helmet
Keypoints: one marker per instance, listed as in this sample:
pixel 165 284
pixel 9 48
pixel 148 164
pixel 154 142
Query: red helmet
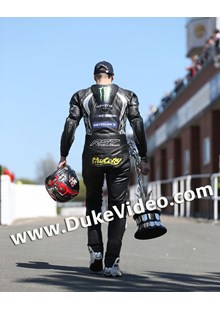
pixel 63 184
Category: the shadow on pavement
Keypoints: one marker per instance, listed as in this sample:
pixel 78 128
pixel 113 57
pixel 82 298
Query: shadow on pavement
pixel 80 279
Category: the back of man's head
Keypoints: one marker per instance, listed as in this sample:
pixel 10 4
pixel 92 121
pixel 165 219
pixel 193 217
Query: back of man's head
pixel 103 72
pixel 103 67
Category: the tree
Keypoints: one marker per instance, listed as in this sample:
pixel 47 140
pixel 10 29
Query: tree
pixel 4 170
pixel 82 190
pixel 45 167
pixel 25 181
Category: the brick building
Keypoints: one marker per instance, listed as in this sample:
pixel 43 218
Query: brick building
pixel 184 132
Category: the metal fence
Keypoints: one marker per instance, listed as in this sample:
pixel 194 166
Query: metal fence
pixel 170 187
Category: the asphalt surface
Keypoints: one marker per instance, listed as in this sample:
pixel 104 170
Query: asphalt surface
pixel 186 259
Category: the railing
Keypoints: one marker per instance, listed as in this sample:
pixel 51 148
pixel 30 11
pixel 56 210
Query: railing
pixel 184 184
pixel 211 54
pixel 216 198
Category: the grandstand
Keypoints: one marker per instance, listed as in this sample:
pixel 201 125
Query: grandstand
pixel 183 132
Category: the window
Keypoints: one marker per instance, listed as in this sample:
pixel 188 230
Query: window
pixel 206 151
pixel 186 162
pixel 170 168
pixel 158 173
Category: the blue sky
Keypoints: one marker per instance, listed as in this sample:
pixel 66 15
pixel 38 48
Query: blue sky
pixel 43 61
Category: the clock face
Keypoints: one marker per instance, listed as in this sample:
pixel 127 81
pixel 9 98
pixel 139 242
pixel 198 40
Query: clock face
pixel 199 30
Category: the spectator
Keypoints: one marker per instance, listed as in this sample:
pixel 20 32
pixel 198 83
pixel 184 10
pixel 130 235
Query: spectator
pixel 194 67
pixel 165 99
pixel 178 85
pixel 208 50
pixel 153 109
pixel 216 39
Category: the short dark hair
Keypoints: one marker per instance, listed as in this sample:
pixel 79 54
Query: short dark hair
pixel 101 75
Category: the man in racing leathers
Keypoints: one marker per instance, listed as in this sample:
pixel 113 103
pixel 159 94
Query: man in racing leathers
pixel 105 108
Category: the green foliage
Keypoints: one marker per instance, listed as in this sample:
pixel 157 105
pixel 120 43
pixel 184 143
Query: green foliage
pixel 82 190
pixel 25 181
pixel 2 168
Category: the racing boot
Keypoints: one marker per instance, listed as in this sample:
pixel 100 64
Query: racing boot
pixel 114 270
pixel 96 264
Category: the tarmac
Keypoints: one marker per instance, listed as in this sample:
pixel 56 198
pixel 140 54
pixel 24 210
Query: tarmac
pixel 185 259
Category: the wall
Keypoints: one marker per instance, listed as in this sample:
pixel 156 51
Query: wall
pixel 24 201
pixel 193 100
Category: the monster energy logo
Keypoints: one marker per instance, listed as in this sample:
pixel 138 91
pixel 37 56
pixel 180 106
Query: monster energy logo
pixel 103 93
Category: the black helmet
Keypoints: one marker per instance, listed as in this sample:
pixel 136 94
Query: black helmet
pixel 63 184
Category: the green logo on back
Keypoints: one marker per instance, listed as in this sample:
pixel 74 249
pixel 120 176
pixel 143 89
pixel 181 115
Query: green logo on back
pixel 103 93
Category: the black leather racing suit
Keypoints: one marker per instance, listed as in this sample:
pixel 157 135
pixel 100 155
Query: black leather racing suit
pixel 105 109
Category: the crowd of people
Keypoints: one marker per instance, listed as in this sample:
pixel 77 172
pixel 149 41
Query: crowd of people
pixel 211 47
pixel 198 61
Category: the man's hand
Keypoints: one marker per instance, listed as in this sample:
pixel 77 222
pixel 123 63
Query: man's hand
pixel 144 167
pixel 62 162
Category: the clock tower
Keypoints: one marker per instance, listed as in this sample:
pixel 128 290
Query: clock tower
pixel 198 30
